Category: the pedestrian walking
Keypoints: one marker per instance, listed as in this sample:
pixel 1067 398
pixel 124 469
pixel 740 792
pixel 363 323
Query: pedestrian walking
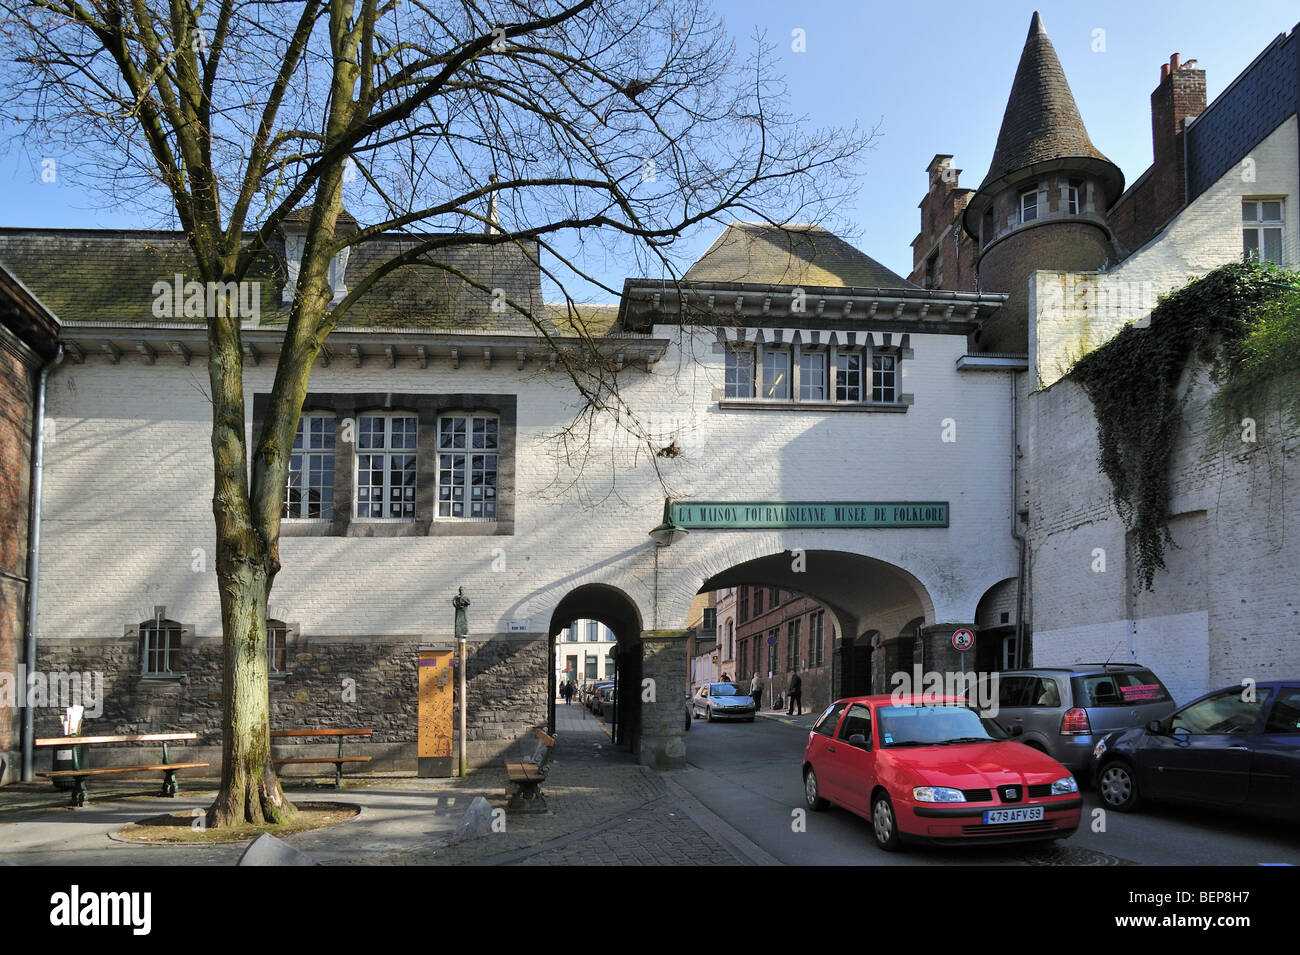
pixel 756 691
pixel 566 691
pixel 796 695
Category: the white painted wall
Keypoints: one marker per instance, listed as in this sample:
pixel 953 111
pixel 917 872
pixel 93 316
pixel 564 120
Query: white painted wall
pixel 128 524
pixel 1073 313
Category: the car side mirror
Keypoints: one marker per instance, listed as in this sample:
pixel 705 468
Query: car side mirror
pixel 860 741
pixel 1156 727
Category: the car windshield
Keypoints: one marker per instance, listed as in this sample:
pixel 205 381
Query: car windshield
pixel 935 726
pixel 727 689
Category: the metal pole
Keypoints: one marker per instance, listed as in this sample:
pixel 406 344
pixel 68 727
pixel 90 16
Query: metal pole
pixel 34 564
pixel 464 763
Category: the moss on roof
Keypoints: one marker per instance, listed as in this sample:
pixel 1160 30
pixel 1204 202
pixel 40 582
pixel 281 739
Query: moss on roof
pixel 583 318
pixel 794 255
pixel 109 276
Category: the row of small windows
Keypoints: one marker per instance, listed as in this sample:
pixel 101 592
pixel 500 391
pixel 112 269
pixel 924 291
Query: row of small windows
pixel 386 468
pixel 794 658
pixel 160 647
pixel 585 630
pixel 774 382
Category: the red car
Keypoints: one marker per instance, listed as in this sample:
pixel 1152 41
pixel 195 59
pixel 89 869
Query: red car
pixel 932 770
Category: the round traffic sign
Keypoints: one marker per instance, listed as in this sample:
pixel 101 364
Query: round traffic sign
pixel 963 640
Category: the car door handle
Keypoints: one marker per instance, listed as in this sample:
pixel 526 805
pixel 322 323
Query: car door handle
pixel 830 749
pixel 1246 748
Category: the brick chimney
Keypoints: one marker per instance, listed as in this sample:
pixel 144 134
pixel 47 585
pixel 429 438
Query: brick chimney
pixel 1179 97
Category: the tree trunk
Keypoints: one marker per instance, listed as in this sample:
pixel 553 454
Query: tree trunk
pixel 250 791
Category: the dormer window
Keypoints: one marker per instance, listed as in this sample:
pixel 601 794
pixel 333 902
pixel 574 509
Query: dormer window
pixel 295 240
pixel 1029 206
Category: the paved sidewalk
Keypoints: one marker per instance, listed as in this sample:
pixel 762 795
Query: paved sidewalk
pixel 806 720
pixel 604 809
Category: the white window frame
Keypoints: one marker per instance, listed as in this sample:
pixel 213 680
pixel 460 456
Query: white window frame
pixel 894 373
pixel 309 456
pixel 814 361
pixel 593 631
pixel 388 451
pixel 1257 224
pixel 841 375
pixel 738 374
pixel 150 651
pixel 469 452
pixel 1073 198
pixel 1026 208
pixel 779 380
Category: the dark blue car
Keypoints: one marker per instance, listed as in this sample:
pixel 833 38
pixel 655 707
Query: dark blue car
pixel 1238 747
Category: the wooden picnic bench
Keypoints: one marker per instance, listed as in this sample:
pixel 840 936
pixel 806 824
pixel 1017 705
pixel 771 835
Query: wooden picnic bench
pixel 338 760
pixel 81 774
pixel 526 776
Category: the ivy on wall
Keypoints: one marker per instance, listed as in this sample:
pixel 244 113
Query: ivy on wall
pixel 1241 321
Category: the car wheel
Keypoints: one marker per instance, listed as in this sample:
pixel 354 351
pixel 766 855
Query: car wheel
pixel 1118 787
pixel 810 792
pixel 883 823
pixel 708 714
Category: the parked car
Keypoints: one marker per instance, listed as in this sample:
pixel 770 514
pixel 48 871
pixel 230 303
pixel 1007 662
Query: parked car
pixel 592 694
pixel 724 701
pixel 1236 748
pixel 1064 711
pixel 936 771
pixel 604 701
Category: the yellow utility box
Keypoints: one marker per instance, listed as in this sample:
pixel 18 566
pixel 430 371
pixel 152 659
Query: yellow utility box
pixel 435 737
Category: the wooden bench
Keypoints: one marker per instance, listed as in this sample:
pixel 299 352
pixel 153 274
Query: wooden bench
pixel 526 776
pixel 80 775
pixel 338 760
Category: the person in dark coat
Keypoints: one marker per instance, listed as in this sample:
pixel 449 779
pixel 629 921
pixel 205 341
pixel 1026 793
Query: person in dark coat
pixel 796 695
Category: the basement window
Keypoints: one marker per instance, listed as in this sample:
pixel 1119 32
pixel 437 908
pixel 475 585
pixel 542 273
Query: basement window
pixel 160 648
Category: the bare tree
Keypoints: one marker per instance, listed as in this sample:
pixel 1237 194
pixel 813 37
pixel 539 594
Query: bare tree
pixel 619 123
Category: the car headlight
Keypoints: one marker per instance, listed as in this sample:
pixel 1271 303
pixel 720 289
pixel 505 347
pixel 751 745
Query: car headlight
pixel 1099 748
pixel 937 794
pixel 1063 786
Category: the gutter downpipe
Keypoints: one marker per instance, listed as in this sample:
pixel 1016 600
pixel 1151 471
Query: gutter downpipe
pixel 1015 528
pixel 33 560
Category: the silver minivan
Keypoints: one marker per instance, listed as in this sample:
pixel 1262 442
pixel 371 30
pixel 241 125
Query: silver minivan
pixel 1064 711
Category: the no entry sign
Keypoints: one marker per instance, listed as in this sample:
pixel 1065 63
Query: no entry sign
pixel 962 640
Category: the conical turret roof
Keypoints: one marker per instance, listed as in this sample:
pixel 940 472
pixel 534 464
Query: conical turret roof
pixel 1041 128
pixel 1042 121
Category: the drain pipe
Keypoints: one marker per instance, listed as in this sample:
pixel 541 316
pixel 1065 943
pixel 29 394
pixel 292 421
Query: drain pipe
pixel 33 561
pixel 1015 525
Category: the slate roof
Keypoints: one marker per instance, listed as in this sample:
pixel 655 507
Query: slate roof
pixel 108 276
pixel 1041 121
pixel 793 255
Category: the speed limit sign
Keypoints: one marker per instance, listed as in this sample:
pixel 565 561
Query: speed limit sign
pixel 962 640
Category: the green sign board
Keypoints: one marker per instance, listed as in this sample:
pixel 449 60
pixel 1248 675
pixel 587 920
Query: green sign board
pixel 731 515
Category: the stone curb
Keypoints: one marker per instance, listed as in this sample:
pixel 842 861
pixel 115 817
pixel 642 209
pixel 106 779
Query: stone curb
pixel 737 842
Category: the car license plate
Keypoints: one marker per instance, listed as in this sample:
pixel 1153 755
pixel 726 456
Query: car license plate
pixel 993 817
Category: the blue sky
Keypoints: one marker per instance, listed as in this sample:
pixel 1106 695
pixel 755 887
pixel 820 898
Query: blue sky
pixel 935 75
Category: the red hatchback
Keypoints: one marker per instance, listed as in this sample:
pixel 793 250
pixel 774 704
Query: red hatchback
pixel 932 770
